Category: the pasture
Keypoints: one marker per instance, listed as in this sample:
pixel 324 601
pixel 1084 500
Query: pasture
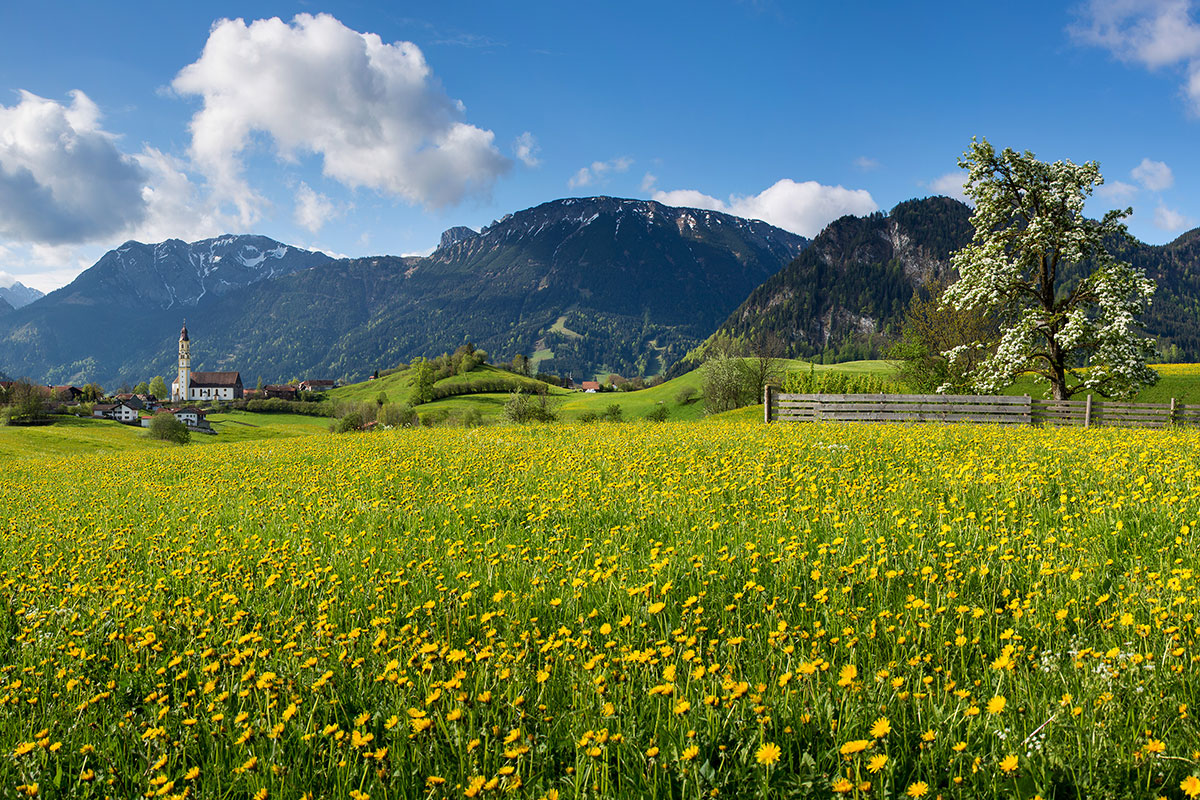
pixel 719 608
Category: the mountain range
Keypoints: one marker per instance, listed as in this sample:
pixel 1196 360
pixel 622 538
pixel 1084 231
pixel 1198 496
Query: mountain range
pixel 15 294
pixel 582 284
pixel 846 295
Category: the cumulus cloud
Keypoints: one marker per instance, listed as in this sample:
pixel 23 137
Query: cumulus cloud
pixel 313 209
pixel 1154 175
pixel 62 177
pixel 649 181
pixel 950 184
pixel 373 112
pixel 1117 191
pixel 804 208
pixel 597 171
pixel 526 149
pixel 866 163
pixel 1169 220
pixel 1152 33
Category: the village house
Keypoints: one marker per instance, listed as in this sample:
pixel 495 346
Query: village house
pixel 121 412
pixel 283 391
pixel 190 385
pixel 192 417
pixel 590 386
pixel 317 385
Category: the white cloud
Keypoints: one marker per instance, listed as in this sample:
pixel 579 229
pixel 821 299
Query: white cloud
pixel 1153 33
pixel 1168 220
pixel 804 208
pixel 1117 191
pixel 313 209
pixel 6 280
pixel 950 184
pixel 526 148
pixel 649 181
pixel 1154 175
pixel 598 171
pixel 62 177
pixel 866 164
pixel 373 111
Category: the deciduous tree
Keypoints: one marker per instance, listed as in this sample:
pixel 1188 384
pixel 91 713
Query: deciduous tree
pixel 1068 308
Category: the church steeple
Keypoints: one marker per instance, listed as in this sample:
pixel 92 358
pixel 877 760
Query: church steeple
pixel 183 383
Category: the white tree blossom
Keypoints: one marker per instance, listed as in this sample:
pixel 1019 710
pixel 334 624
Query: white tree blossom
pixel 1027 263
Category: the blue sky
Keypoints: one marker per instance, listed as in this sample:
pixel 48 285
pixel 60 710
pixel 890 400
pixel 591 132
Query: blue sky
pixel 363 128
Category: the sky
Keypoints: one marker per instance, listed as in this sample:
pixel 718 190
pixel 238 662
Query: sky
pixel 366 128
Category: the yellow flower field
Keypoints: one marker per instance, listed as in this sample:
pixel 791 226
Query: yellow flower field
pixel 712 609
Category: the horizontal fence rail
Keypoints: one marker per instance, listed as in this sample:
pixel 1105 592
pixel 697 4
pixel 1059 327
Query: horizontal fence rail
pixel 999 410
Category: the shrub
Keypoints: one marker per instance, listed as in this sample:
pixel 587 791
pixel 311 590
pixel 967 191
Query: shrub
pixel 522 408
pixel 432 419
pixel 165 427
pixel 398 415
pixel 659 414
pixel 351 422
pixel 589 416
pixel 612 412
pixel 686 395
pixel 472 418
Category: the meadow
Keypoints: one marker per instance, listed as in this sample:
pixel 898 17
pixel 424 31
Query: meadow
pixel 721 608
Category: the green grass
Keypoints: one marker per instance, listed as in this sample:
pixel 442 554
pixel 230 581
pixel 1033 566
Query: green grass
pixel 398 386
pixel 74 436
pixel 245 426
pixel 724 609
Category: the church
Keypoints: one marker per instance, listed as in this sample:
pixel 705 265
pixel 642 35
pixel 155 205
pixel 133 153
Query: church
pixel 189 386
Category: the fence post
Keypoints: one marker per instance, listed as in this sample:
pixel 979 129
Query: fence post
pixel 1028 410
pixel 1171 420
pixel 767 390
pixel 1087 413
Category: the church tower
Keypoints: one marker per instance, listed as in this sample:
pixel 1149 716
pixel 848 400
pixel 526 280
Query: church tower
pixel 184 382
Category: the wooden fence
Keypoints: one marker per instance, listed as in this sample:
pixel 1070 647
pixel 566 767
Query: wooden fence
pixel 1000 410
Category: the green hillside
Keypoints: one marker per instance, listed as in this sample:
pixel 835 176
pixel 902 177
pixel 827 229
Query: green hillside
pixel 572 405
pixel 397 387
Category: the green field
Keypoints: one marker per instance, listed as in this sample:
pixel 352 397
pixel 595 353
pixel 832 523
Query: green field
pixel 640 610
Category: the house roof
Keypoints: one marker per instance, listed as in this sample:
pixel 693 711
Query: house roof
pixel 318 382
pixel 105 406
pixel 190 410
pixel 210 380
pixel 590 384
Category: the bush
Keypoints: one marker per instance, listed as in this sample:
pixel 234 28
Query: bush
pixel 398 415
pixel 351 422
pixel 686 395
pixel 276 405
pixel 612 412
pixel 472 418
pixel 659 414
pixel 165 427
pixel 522 408
pixel 589 416
pixel 434 418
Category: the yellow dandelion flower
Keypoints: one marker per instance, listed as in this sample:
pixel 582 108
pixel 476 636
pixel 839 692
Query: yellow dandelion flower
pixel 842 786
pixel 882 727
pixel 768 753
pixel 877 763
pixel 917 789
pixel 996 704
pixel 1190 786
pixel 691 752
pixel 855 746
pixel 1008 764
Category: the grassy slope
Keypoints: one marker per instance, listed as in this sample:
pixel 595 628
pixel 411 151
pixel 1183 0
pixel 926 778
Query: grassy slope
pixel 70 436
pixel 398 386
pixel 573 404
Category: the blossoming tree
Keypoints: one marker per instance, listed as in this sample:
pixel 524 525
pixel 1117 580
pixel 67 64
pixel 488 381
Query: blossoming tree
pixel 1068 308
